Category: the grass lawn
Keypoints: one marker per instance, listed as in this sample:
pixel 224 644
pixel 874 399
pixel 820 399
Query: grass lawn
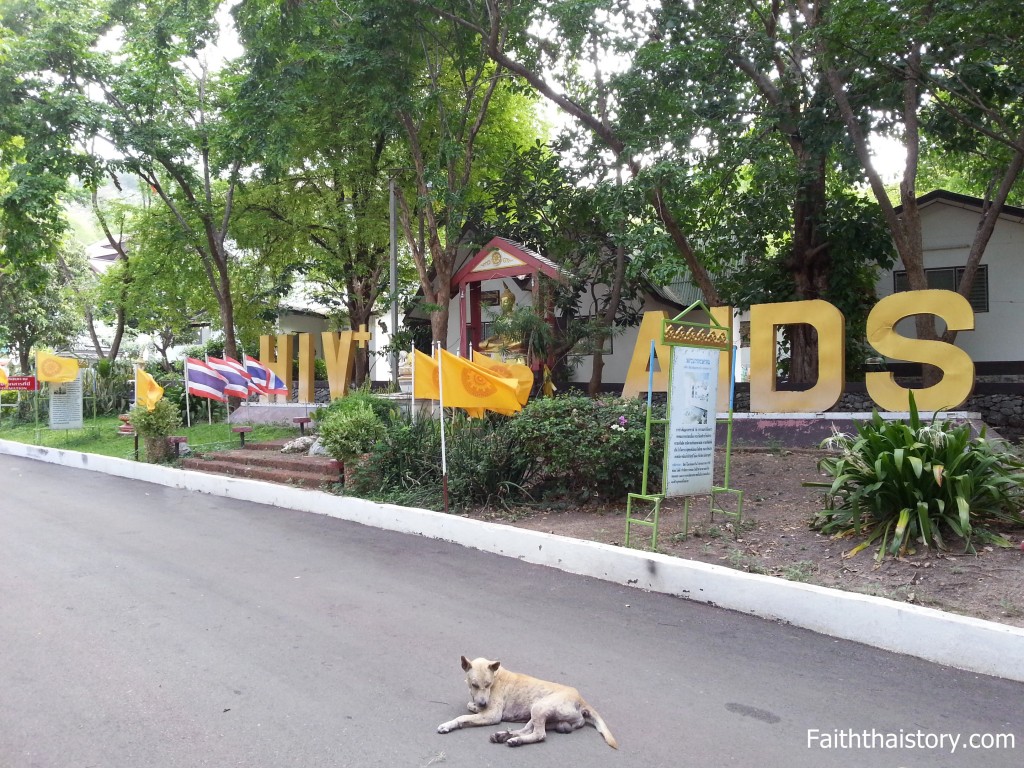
pixel 100 436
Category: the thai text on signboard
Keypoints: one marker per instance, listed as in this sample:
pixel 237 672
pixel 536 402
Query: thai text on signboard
pixel 20 384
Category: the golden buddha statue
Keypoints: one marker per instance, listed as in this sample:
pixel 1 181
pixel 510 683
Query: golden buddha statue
pixel 497 342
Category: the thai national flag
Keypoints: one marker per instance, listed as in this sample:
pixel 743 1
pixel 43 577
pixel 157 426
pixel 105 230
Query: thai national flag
pixel 268 382
pixel 237 366
pixel 237 384
pixel 202 381
pixel 254 386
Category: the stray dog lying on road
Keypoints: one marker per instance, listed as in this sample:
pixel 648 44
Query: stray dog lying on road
pixel 497 694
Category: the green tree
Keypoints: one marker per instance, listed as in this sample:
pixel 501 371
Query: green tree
pixel 586 229
pixel 598 33
pixel 320 207
pixel 155 285
pixel 146 80
pixel 696 102
pixel 37 158
pixel 42 313
pixel 380 92
pixel 923 71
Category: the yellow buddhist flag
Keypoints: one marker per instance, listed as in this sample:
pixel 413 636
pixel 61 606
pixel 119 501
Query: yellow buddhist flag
pixel 517 371
pixel 424 377
pixel 55 369
pixel 548 387
pixel 147 391
pixel 3 376
pixel 465 385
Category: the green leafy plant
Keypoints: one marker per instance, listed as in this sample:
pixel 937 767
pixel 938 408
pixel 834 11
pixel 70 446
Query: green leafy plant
pixel 109 384
pixel 585 445
pixel 155 426
pixel 160 422
pixel 350 433
pixel 360 398
pixel 486 463
pixel 897 483
pixel 406 464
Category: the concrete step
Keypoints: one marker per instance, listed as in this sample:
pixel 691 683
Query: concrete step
pixel 269 445
pixel 284 476
pixel 278 460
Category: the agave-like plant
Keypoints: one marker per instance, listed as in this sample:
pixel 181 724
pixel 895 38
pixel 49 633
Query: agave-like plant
pixel 898 483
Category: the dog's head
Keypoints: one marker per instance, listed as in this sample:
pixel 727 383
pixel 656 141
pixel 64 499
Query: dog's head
pixel 480 674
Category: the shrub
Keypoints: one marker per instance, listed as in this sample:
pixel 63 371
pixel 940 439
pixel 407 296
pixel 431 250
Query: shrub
pixel 154 427
pixel 585 445
pixel 486 462
pixel 897 483
pixel 320 369
pixel 110 385
pixel 349 433
pixel 360 398
pixel 160 422
pixel 406 464
pixel 486 465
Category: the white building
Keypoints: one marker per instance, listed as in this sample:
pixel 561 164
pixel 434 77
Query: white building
pixel 948 223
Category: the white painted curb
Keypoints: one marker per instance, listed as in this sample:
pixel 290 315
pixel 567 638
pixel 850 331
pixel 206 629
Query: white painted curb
pixel 972 644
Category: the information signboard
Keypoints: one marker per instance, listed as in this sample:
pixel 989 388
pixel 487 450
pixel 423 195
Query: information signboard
pixel 20 384
pixel 66 405
pixel 693 395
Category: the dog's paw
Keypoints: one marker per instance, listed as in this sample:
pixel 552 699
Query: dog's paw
pixel 514 742
pixel 472 707
pixel 448 727
pixel 501 737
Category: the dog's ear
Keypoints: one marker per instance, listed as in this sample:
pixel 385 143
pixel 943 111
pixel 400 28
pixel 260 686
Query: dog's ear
pixel 466 664
pixel 493 666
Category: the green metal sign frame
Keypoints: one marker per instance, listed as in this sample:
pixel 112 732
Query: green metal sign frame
pixel 681 332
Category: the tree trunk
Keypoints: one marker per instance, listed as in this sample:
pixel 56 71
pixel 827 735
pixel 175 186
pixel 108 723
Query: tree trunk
pixel 439 321
pixel 594 387
pixel 90 324
pixel 361 367
pixel 115 344
pixel 808 262
pixel 608 319
pixel 227 308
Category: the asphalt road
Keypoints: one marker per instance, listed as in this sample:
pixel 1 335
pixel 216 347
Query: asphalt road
pixel 145 626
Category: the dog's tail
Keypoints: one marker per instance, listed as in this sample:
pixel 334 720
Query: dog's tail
pixel 594 719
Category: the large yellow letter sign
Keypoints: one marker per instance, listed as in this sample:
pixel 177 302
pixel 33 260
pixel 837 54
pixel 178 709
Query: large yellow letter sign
pixel 307 368
pixel 957 367
pixel 638 375
pixel 830 325
pixel 340 356
pixel 278 358
pixel 723 316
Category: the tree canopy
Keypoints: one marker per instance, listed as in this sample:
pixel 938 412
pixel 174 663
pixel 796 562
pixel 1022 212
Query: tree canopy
pixel 725 144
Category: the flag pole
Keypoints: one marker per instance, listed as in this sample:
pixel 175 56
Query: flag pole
pixel 188 406
pixel 444 455
pixel 209 407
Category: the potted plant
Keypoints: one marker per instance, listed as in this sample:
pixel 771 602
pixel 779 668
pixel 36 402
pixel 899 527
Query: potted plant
pixel 155 426
pixel 350 434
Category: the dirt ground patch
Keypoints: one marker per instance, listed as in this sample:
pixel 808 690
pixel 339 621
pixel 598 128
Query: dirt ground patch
pixel 774 537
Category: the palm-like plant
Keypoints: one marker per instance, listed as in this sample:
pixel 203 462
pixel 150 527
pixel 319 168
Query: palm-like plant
pixel 898 483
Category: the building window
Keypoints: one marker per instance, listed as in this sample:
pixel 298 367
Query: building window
pixel 948 279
